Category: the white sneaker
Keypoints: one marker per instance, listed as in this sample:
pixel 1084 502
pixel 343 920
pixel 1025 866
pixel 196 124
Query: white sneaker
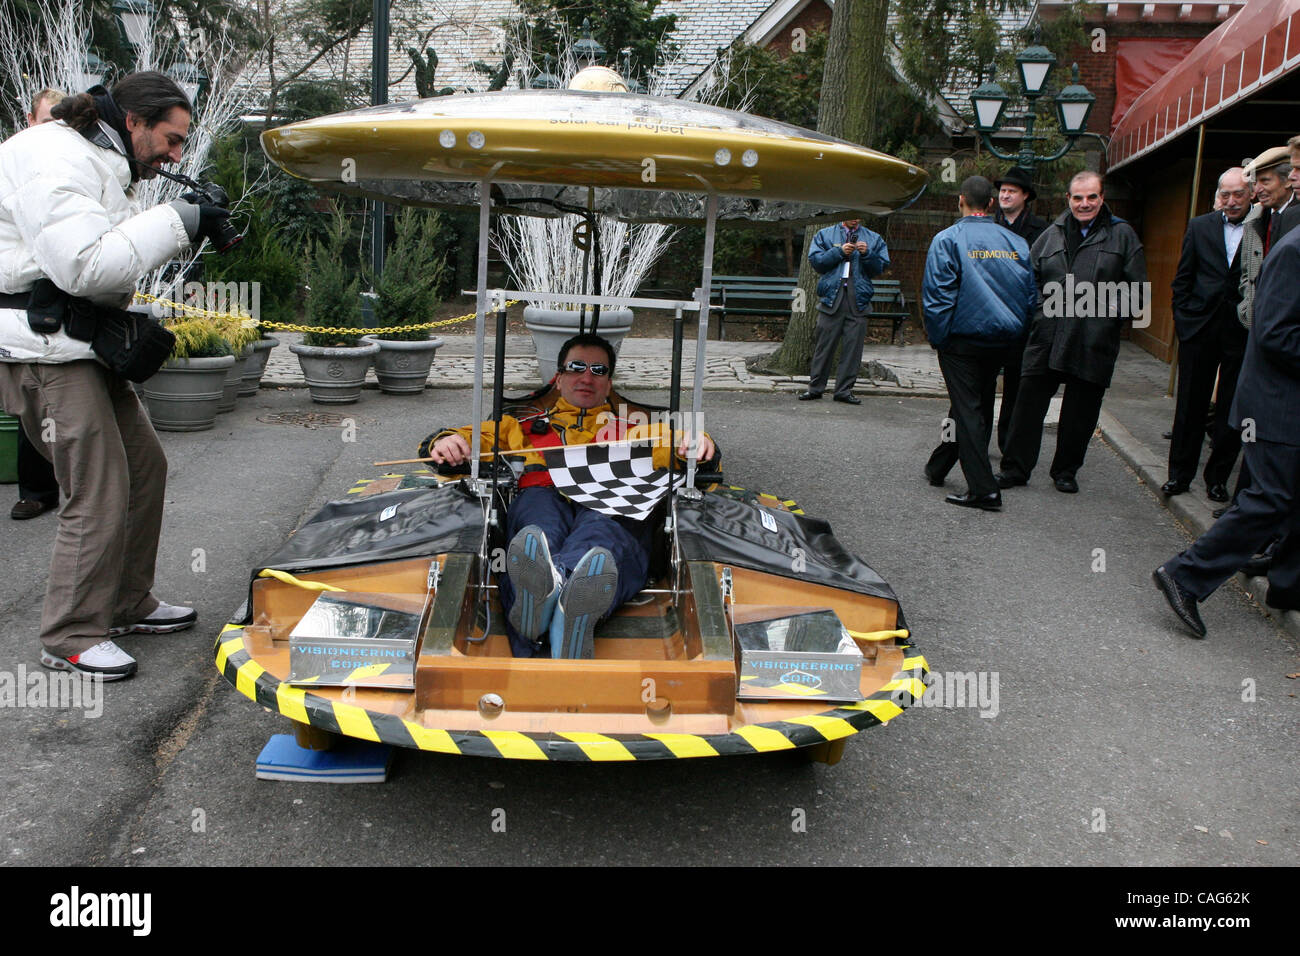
pixel 105 659
pixel 164 619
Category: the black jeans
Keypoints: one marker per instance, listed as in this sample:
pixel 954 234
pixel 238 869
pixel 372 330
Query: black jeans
pixel 1217 349
pixel 1080 409
pixel 972 378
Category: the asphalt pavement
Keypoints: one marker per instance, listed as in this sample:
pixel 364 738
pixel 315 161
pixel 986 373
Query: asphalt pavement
pixel 1106 734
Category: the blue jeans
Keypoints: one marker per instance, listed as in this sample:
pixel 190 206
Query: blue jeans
pixel 571 531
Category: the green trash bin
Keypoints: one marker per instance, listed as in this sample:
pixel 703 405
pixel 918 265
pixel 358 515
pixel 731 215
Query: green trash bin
pixel 8 449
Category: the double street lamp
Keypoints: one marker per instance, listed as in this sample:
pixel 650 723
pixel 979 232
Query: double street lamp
pixel 1073 106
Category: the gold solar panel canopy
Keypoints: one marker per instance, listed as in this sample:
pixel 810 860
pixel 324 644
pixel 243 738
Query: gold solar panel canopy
pixel 649 159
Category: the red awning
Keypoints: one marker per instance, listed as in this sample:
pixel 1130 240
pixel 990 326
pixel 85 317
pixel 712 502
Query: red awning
pixel 1259 45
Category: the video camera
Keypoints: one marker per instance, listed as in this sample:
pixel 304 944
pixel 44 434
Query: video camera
pixel 206 194
pixel 213 195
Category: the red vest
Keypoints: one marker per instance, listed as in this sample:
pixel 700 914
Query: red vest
pixel 541 478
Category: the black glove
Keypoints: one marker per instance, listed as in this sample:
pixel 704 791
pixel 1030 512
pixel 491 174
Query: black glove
pixel 193 198
pixel 212 221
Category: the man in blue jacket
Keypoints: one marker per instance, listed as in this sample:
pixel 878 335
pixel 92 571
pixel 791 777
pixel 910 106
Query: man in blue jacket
pixel 848 256
pixel 977 295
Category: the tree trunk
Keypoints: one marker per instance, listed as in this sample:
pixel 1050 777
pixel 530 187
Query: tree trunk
pixel 851 84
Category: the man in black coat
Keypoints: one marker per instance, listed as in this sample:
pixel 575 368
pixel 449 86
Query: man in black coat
pixel 1015 193
pixel 1211 339
pixel 1267 410
pixel 1091 274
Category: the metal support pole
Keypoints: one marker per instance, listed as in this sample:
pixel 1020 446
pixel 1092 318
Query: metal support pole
pixel 706 280
pixel 498 388
pixel 480 320
pixel 378 96
pixel 674 394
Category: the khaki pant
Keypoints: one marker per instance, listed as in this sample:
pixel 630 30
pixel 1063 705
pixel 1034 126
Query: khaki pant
pixel 89 423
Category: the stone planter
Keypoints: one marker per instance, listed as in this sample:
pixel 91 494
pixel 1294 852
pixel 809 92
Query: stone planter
pixel 234 380
pixel 335 375
pixel 403 367
pixel 182 396
pixel 552 327
pixel 255 365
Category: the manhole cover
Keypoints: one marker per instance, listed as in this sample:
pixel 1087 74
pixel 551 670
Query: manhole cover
pixel 314 419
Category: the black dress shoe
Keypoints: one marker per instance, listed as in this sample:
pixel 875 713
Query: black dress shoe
pixel 934 482
pixel 29 508
pixel 1217 493
pixel 809 396
pixel 1009 481
pixel 848 399
pixel 1067 485
pixel 1166 435
pixel 1171 488
pixel 991 502
pixel 1218 513
pixel 1181 601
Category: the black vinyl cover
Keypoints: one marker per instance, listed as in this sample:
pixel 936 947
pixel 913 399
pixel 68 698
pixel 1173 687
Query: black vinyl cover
pixel 424 521
pixel 715 528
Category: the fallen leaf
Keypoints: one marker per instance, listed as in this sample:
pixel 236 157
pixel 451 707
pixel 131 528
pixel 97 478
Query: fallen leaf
pixel 1202 829
pixel 1262 842
pixel 1293 676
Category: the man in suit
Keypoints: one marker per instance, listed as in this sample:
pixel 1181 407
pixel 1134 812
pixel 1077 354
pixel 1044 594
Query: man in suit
pixel 1211 341
pixel 1267 174
pixel 1267 409
pixel 848 256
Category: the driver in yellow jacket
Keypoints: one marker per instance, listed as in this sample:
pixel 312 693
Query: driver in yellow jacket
pixel 568 566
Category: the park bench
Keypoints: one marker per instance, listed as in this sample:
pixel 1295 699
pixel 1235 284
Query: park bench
pixel 769 297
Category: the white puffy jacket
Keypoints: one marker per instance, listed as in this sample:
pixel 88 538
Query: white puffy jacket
pixel 67 212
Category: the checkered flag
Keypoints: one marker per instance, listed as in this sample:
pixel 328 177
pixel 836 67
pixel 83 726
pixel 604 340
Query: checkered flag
pixel 618 479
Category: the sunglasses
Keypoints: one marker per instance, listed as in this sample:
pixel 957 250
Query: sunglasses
pixel 580 367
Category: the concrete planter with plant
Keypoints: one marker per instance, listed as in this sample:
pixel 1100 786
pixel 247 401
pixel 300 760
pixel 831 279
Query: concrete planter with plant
pixel 406 295
pixel 334 363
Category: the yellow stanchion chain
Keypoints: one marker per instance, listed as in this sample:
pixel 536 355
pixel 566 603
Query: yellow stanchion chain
pixel 193 312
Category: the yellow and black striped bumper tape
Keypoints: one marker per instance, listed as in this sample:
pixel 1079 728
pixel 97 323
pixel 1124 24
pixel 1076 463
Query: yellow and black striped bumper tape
pixel 340 717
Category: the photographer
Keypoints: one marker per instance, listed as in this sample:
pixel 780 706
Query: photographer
pixel 848 256
pixel 70 228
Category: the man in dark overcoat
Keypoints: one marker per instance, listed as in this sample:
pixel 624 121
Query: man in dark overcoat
pixel 1267 411
pixel 1091 273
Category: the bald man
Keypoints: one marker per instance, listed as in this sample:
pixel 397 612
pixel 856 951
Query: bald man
pixel 1211 341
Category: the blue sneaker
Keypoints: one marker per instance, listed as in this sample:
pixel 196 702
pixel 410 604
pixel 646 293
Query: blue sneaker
pixel 537 583
pixel 587 597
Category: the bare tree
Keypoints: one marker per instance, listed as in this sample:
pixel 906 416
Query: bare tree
pixel 852 82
